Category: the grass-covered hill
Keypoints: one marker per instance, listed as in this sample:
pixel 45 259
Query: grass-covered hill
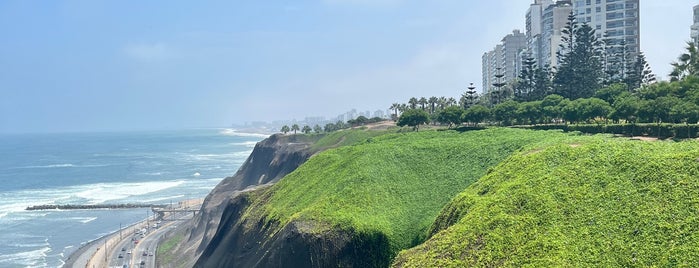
pixel 594 202
pixel 390 186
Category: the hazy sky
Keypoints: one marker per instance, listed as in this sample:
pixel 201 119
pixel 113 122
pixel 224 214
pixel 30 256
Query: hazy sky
pixel 94 65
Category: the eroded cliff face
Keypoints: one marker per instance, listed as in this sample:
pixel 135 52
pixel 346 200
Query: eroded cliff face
pixel 270 160
pixel 245 240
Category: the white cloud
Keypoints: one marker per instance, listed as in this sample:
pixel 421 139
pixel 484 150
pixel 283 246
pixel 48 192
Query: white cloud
pixel 149 52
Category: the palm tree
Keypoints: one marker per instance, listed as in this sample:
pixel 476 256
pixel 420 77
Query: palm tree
pixel 395 107
pixel 442 102
pixel 413 103
pixel 306 129
pixel 422 101
pixel 285 129
pixel 403 107
pixel 451 102
pixel 295 128
pixel 433 102
pixel 688 64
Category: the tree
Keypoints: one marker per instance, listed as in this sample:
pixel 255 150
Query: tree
pixel 579 72
pixel 476 114
pixel 612 92
pixel 592 108
pixel 329 127
pixel 413 103
pixel 285 129
pixel 432 102
pixel 295 128
pixel 551 108
pixel 525 81
pixel 422 101
pixel 625 108
pixel 451 115
pixel 317 129
pixel 687 64
pixel 542 83
pixel 395 107
pixel 529 112
pixel 640 74
pixel 505 112
pixel 306 129
pixel 414 118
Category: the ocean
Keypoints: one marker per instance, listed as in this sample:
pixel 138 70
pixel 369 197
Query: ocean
pixel 102 168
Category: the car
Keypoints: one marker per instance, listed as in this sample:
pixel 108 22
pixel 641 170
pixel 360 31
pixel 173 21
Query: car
pixel 150 253
pixel 123 249
pixel 135 242
pixel 120 256
pixel 129 252
pixel 143 263
pixel 145 253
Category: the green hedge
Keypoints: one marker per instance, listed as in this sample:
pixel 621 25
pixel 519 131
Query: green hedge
pixel 662 131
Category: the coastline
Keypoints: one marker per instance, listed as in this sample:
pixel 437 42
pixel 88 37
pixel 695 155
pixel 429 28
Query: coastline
pixel 85 254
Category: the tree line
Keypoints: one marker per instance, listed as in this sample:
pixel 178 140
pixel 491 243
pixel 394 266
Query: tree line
pixel 330 127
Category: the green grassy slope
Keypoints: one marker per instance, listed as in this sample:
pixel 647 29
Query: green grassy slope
pixel 394 184
pixel 599 202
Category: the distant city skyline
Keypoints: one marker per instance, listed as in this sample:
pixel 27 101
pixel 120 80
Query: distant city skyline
pixel 131 65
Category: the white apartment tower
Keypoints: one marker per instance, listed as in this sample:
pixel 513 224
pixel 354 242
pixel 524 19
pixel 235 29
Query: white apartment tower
pixel 612 19
pixel 534 31
pixel 616 20
pixel 553 19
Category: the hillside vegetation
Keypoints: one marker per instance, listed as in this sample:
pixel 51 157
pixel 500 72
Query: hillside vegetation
pixel 392 185
pixel 599 202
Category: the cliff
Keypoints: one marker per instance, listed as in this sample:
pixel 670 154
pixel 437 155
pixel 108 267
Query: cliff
pixel 270 160
pixel 357 205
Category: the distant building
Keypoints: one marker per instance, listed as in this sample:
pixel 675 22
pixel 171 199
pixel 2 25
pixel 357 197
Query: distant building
pixel 695 27
pixel 615 20
pixel 503 59
pixel 554 19
pixel 534 30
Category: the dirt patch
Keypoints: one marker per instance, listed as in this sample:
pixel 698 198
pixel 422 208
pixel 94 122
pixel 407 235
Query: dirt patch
pixel 643 138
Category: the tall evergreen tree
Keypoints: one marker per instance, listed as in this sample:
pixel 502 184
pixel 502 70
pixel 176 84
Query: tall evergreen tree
pixel 543 85
pixel 525 81
pixel 640 73
pixel 579 72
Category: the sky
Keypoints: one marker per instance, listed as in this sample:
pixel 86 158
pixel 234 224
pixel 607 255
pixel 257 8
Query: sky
pixel 92 65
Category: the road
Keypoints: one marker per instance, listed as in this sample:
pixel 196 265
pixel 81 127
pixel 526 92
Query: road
pixel 142 246
pixel 94 254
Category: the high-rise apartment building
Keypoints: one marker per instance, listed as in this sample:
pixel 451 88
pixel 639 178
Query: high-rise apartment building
pixel 534 29
pixel 503 59
pixel 615 20
pixel 553 19
pixel 695 27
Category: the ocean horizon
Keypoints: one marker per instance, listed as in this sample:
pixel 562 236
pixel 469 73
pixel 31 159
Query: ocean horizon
pixel 150 167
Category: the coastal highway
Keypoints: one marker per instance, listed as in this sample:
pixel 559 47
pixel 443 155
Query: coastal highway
pixel 94 254
pixel 142 247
